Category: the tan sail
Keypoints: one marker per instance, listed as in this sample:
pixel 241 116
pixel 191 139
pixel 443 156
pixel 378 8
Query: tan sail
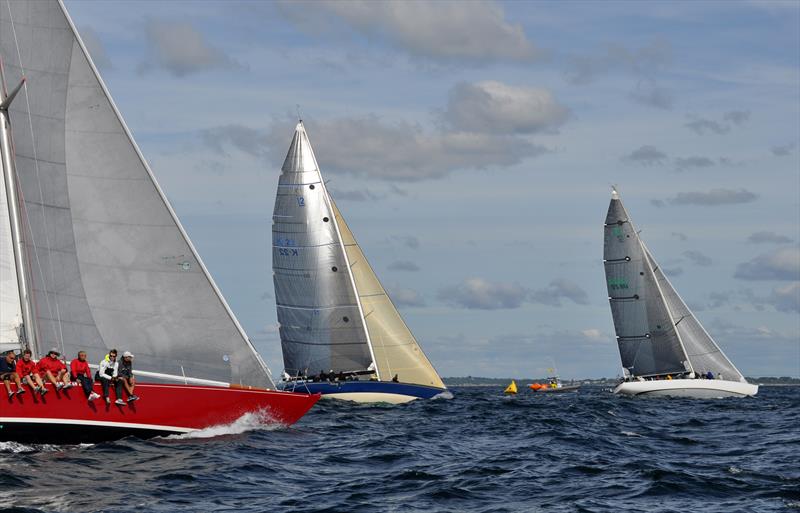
pixel 396 350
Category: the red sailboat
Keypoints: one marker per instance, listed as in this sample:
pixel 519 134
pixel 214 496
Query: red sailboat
pixel 93 257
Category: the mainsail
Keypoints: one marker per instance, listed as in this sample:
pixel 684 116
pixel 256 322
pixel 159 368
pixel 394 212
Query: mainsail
pixel 10 307
pixel 657 333
pixel 110 264
pixel 647 339
pixel 333 311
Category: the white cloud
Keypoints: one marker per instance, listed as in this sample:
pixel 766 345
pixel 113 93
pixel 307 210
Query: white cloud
pixel 500 108
pixel 403 265
pixel 96 49
pixel 406 297
pixel 446 31
pixel 181 49
pixel 780 264
pixel 713 198
pixel 646 155
pixel 480 294
pixel 767 237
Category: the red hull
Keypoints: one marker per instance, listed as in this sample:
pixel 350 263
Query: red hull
pixel 67 417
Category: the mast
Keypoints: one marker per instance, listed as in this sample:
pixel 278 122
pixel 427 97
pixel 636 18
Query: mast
pixel 12 194
pixel 346 259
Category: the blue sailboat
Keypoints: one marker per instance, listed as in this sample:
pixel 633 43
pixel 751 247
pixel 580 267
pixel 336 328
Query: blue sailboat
pixel 341 335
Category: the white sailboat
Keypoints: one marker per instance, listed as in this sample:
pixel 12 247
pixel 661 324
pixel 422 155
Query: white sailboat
pixel 340 333
pixel 663 347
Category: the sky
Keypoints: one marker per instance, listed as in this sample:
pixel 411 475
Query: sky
pixel 472 147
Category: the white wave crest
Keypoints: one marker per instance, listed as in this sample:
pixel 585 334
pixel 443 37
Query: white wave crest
pixel 446 394
pixel 16 447
pixel 631 433
pixel 250 421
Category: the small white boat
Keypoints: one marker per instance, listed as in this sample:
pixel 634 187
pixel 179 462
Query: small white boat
pixel 663 347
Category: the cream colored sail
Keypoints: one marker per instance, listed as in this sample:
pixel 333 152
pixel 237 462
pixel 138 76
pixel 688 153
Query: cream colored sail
pixel 396 350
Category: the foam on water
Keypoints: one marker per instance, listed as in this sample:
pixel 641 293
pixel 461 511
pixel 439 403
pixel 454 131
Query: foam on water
pixel 16 447
pixel 250 421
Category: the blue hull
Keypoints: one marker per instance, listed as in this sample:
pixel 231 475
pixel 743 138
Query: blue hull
pixel 367 388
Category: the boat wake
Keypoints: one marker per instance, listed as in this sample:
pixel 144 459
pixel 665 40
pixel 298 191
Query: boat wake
pixel 16 447
pixel 251 421
pixel 443 395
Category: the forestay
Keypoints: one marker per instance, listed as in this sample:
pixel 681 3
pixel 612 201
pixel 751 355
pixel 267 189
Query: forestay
pixel 321 326
pixel 111 265
pixel 648 343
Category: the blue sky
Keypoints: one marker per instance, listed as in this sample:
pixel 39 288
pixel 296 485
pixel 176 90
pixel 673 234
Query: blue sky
pixel 471 147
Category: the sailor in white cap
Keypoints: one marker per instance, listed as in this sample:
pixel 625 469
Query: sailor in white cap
pixel 126 377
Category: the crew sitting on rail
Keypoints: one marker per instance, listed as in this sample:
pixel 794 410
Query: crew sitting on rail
pixel 80 372
pixel 8 373
pixel 125 376
pixel 53 370
pixel 107 374
pixel 28 372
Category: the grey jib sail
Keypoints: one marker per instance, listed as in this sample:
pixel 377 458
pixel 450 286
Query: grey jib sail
pixel 648 342
pixel 321 326
pixel 109 262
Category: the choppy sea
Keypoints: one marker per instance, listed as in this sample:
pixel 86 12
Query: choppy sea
pixel 479 451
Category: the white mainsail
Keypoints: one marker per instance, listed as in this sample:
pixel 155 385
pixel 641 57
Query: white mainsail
pixel 10 307
pixel 656 332
pixel 322 277
pixel 110 264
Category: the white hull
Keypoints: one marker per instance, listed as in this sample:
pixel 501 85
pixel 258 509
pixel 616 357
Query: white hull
pixel 371 397
pixel 696 388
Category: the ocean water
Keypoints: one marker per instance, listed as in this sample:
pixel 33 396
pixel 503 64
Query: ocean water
pixel 479 451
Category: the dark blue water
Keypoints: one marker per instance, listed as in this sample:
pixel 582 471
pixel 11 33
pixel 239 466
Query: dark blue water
pixel 480 451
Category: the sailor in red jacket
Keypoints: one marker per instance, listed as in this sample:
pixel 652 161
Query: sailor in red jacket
pixel 80 371
pixel 54 371
pixel 29 372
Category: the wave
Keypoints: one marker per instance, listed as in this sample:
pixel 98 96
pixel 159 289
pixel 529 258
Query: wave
pixel 250 421
pixel 445 394
pixel 16 447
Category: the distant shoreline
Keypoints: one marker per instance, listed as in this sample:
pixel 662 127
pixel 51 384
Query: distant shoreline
pixel 475 381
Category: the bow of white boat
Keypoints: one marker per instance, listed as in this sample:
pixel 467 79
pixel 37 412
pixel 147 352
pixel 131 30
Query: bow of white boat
pixel 696 388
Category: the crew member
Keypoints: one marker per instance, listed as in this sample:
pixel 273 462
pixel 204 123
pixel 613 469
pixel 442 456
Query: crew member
pixel 125 376
pixel 28 373
pixel 107 374
pixel 8 373
pixel 80 372
pixel 53 370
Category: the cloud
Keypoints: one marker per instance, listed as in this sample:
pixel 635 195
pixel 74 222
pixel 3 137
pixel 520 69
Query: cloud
pixel 499 108
pixel 701 126
pixel 245 139
pixel 647 92
pixel 96 49
pixel 403 265
pixel 646 155
pixel 642 62
pixel 784 150
pixel 355 195
pixel 689 162
pixel 680 236
pixel 786 298
pixel 712 198
pixel 698 258
pixel 557 290
pixel 479 294
pixel 672 271
pixel 409 241
pixel 401 151
pixel 406 297
pixel 445 31
pixel 737 117
pixel 181 49
pixel 768 238
pixel 779 264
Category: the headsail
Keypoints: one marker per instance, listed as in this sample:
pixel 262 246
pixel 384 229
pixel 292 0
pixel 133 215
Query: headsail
pixel 704 354
pixel 648 342
pixel 321 326
pixel 111 265
pixel 396 350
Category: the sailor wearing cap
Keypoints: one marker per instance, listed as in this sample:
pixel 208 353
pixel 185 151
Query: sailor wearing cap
pixel 125 376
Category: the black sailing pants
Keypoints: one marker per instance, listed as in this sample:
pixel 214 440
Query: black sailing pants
pixel 86 384
pixel 106 383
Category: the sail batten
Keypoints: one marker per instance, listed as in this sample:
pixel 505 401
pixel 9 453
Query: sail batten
pixel 115 266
